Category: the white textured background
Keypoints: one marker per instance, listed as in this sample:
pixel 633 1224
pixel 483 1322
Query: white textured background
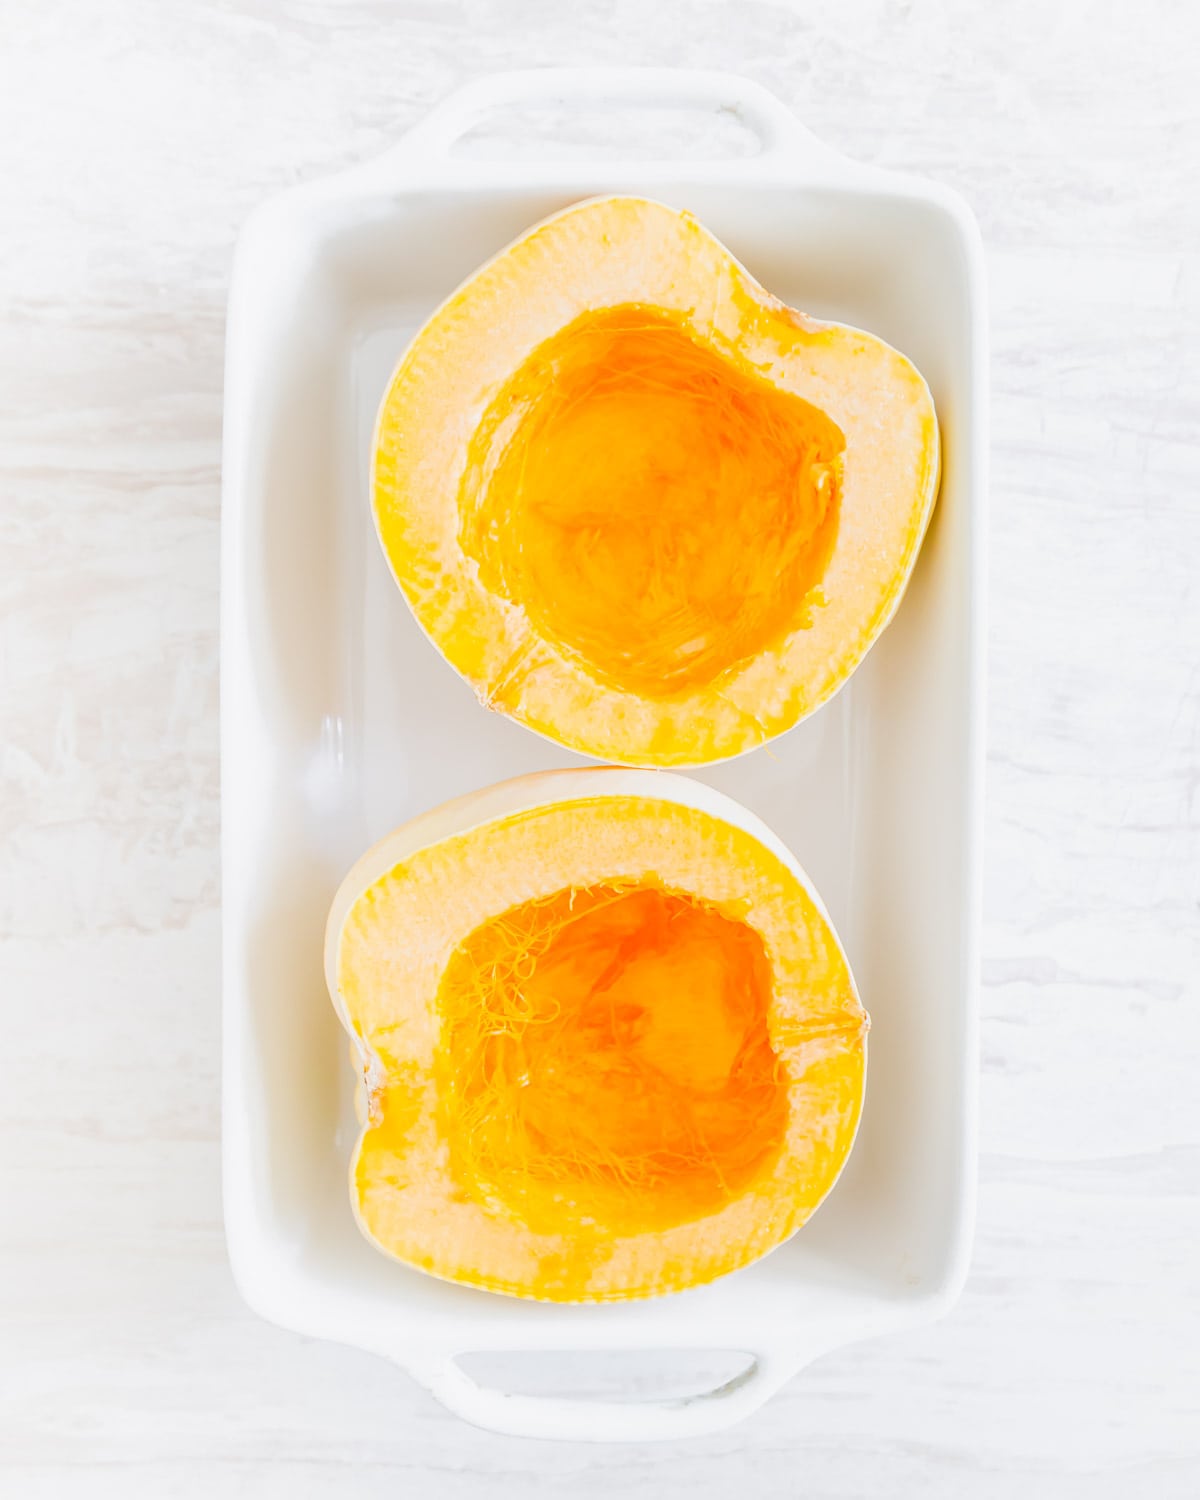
pixel 134 138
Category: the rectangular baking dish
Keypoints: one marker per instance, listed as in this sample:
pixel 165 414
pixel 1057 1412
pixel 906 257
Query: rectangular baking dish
pixel 339 721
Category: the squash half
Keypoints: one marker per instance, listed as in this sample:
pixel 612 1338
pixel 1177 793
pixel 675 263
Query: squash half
pixel 638 503
pixel 609 1043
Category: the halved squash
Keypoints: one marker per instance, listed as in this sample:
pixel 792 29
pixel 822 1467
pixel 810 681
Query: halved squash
pixel 609 1043
pixel 637 502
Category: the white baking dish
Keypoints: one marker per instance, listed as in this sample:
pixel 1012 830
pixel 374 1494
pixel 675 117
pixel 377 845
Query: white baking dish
pixel 339 721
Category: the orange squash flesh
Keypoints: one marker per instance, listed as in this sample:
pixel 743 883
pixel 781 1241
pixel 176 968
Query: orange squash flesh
pixel 610 1046
pixel 661 514
pixel 638 503
pixel 612 1041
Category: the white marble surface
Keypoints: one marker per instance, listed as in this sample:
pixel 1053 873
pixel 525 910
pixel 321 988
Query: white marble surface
pixel 134 138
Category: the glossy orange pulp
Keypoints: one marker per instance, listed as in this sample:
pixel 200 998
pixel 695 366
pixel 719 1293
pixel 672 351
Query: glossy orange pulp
pixel 661 511
pixel 605 1060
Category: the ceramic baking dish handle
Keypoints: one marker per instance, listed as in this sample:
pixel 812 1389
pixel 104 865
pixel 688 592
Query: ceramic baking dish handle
pixel 602 1420
pixel 430 143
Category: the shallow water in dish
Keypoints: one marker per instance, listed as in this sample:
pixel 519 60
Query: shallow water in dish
pixel 368 727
